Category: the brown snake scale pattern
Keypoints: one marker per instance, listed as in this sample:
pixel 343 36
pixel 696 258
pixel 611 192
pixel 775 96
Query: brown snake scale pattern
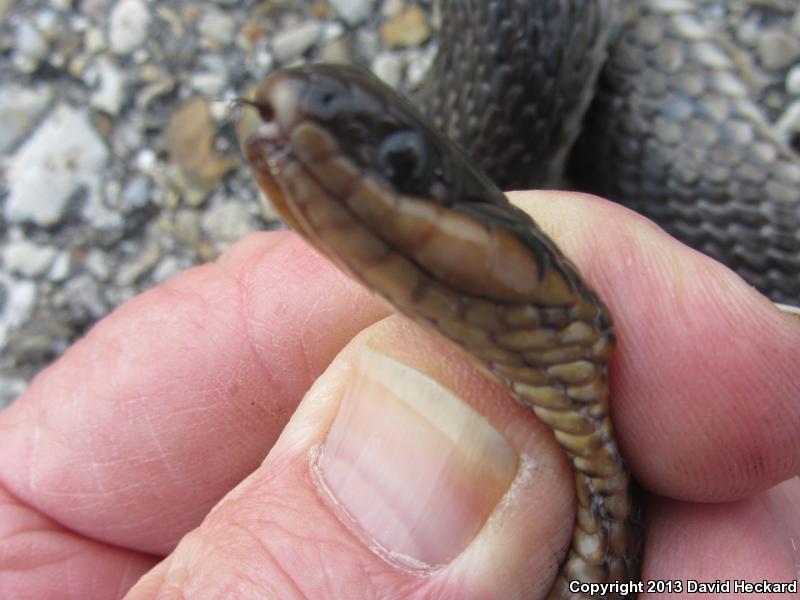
pixel 640 101
pixel 359 173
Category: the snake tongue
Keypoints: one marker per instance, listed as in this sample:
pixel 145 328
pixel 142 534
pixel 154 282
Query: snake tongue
pixel 261 129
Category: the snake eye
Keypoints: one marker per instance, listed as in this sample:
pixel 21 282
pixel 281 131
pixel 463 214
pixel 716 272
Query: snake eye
pixel 326 99
pixel 402 158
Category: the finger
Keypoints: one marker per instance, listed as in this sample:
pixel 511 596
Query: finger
pixel 750 540
pixel 173 399
pixel 404 473
pixel 705 379
pixel 37 556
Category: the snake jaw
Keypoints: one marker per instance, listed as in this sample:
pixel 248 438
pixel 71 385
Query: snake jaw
pixel 262 130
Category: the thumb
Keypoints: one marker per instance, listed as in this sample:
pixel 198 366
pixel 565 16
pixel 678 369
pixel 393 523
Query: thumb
pixel 403 473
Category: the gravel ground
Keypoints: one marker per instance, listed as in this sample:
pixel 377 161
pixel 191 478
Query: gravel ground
pixel 118 165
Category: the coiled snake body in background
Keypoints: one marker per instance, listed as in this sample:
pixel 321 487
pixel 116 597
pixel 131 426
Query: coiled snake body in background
pixel 360 174
pixel 673 131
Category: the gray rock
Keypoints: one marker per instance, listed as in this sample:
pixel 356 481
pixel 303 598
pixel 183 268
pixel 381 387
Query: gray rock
pixel 84 297
pixel 31 46
pixel 17 300
pixel 291 43
pixel 778 49
pixel 793 80
pixel 788 125
pixel 353 11
pixel 111 90
pixel 128 26
pixel 20 108
pixel 64 155
pixel 167 268
pixel 136 193
pixel 10 389
pixel 60 269
pixel 217 26
pixel 97 264
pixel 26 258
pixel 228 222
pixel 134 270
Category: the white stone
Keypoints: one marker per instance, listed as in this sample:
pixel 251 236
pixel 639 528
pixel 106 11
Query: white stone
pixel 129 22
pixel 228 222
pixel 292 43
pixel 353 11
pixel 97 264
pixel 60 267
pixel 217 26
pixel 109 95
pixel 793 80
pixel 20 107
pixel 145 160
pixel 208 83
pixel 30 42
pixel 389 68
pixel 26 258
pixel 64 154
pixel 20 298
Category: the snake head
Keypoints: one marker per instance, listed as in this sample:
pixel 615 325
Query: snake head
pixel 357 170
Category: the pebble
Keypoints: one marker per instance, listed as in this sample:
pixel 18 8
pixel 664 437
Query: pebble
pixel 20 108
pixel 190 135
pixel 31 46
pixel 389 67
pixel 128 26
pixel 793 80
pixel 110 92
pixel 777 49
pixel 228 222
pixel 97 263
pixel 64 155
pixel 291 43
pixel 136 193
pixel 353 12
pixel 132 271
pixel 217 26
pixel 167 268
pixel 60 269
pixel 212 79
pixel 10 387
pixel 788 124
pixel 83 296
pixel 26 258
pixel 17 300
pixel 409 28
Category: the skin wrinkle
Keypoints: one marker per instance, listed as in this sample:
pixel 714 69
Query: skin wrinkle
pixel 618 281
pixel 785 420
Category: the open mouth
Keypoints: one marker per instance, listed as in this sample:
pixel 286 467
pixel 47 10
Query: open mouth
pixel 262 138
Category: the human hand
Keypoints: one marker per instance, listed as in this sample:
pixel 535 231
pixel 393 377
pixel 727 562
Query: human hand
pixel 111 462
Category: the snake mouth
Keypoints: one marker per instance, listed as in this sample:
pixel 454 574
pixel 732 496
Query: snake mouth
pixel 263 128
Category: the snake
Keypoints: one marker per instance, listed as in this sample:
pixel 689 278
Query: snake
pixel 641 102
pixel 363 176
pixel 644 102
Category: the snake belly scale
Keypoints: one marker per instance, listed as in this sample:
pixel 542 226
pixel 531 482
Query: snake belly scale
pixel 361 175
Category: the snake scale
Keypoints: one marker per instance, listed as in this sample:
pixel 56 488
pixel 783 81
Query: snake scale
pixel 672 131
pixel 358 172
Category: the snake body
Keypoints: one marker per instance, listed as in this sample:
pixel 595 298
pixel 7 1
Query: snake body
pixel 661 106
pixel 359 172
